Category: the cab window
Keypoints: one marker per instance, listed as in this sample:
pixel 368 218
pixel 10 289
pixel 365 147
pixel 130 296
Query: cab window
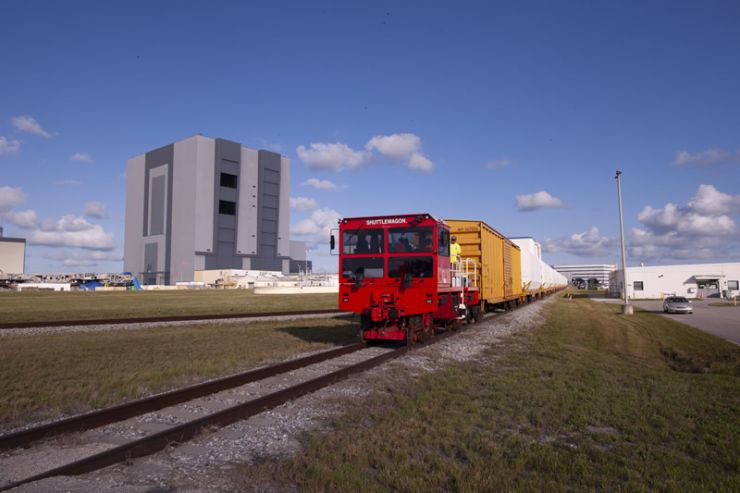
pixel 419 267
pixel 362 267
pixel 443 245
pixel 362 241
pixel 408 240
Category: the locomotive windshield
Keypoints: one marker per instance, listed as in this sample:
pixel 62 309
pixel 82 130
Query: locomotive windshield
pixel 362 241
pixel 407 240
pixel 363 248
pixel 421 266
pixel 360 267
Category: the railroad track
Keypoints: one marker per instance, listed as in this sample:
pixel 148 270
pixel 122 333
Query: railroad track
pixel 139 320
pixel 185 431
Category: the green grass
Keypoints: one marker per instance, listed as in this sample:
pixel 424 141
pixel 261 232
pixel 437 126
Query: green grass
pixel 46 375
pixel 590 401
pixel 42 306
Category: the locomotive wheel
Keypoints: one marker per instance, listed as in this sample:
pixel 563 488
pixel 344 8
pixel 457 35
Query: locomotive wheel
pixel 366 323
pixel 421 337
pixel 409 336
pixel 477 316
pixel 415 330
pixel 428 326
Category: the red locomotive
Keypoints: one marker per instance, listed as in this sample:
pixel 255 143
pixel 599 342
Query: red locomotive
pixel 395 272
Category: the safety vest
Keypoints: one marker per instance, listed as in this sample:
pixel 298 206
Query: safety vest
pixel 454 252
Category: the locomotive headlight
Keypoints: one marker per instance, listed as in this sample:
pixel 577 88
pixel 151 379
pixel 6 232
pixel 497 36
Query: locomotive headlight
pixel 429 301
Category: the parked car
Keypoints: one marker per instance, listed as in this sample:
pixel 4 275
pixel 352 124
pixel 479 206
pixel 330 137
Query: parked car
pixel 677 304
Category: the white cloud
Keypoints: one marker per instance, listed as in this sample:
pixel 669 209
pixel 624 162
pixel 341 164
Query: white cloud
pixel 685 221
pixel 95 209
pixel 420 162
pixel 9 146
pixel 10 197
pixel 72 231
pixel 302 204
pixel 645 245
pixel 498 163
pixel 317 228
pixel 702 229
pixel 81 157
pixel 586 244
pixel 538 200
pixel 401 147
pixel 707 158
pixel 396 146
pixel 69 230
pixel 319 184
pixel 335 156
pixel 23 219
pixel 30 125
pixel 709 200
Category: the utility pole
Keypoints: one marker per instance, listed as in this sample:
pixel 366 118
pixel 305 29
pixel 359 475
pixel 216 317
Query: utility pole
pixel 626 307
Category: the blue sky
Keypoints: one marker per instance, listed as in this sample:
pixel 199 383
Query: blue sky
pixel 516 113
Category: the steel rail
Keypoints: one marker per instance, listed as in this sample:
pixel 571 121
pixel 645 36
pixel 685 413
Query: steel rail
pixel 175 318
pixel 186 431
pixel 130 409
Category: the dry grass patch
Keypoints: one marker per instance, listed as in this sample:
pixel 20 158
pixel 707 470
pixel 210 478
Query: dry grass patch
pixel 587 402
pixel 45 376
pixel 42 306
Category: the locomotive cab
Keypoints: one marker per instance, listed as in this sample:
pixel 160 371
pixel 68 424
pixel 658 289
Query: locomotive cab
pixel 394 271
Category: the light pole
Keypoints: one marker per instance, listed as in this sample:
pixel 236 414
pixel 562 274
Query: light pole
pixel 626 307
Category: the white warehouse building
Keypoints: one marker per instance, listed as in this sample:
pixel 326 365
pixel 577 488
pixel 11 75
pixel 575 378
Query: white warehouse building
pixel 692 281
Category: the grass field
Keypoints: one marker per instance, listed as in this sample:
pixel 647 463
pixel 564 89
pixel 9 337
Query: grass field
pixel 41 306
pixel 590 401
pixel 45 376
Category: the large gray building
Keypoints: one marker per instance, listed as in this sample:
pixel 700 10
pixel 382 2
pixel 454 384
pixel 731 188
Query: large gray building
pixel 203 204
pixel 12 255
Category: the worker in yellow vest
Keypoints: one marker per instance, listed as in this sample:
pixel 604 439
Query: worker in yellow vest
pixel 454 250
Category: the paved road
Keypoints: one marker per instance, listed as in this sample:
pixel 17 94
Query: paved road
pixel 721 321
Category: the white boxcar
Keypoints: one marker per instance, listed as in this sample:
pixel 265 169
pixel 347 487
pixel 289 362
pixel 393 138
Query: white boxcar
pixel 536 274
pixel 532 275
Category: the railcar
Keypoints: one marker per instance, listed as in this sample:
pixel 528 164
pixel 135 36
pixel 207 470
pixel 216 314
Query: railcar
pixel 395 272
pixel 495 259
pixel 538 278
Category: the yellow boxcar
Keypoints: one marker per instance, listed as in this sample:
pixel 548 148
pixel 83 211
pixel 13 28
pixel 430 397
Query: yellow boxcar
pixel 498 260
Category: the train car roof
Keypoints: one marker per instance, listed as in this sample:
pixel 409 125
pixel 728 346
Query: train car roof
pixel 481 222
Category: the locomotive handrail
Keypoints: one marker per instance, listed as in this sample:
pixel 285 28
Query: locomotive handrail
pixel 463 274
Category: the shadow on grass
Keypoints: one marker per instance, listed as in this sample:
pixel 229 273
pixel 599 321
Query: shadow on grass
pixel 346 333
